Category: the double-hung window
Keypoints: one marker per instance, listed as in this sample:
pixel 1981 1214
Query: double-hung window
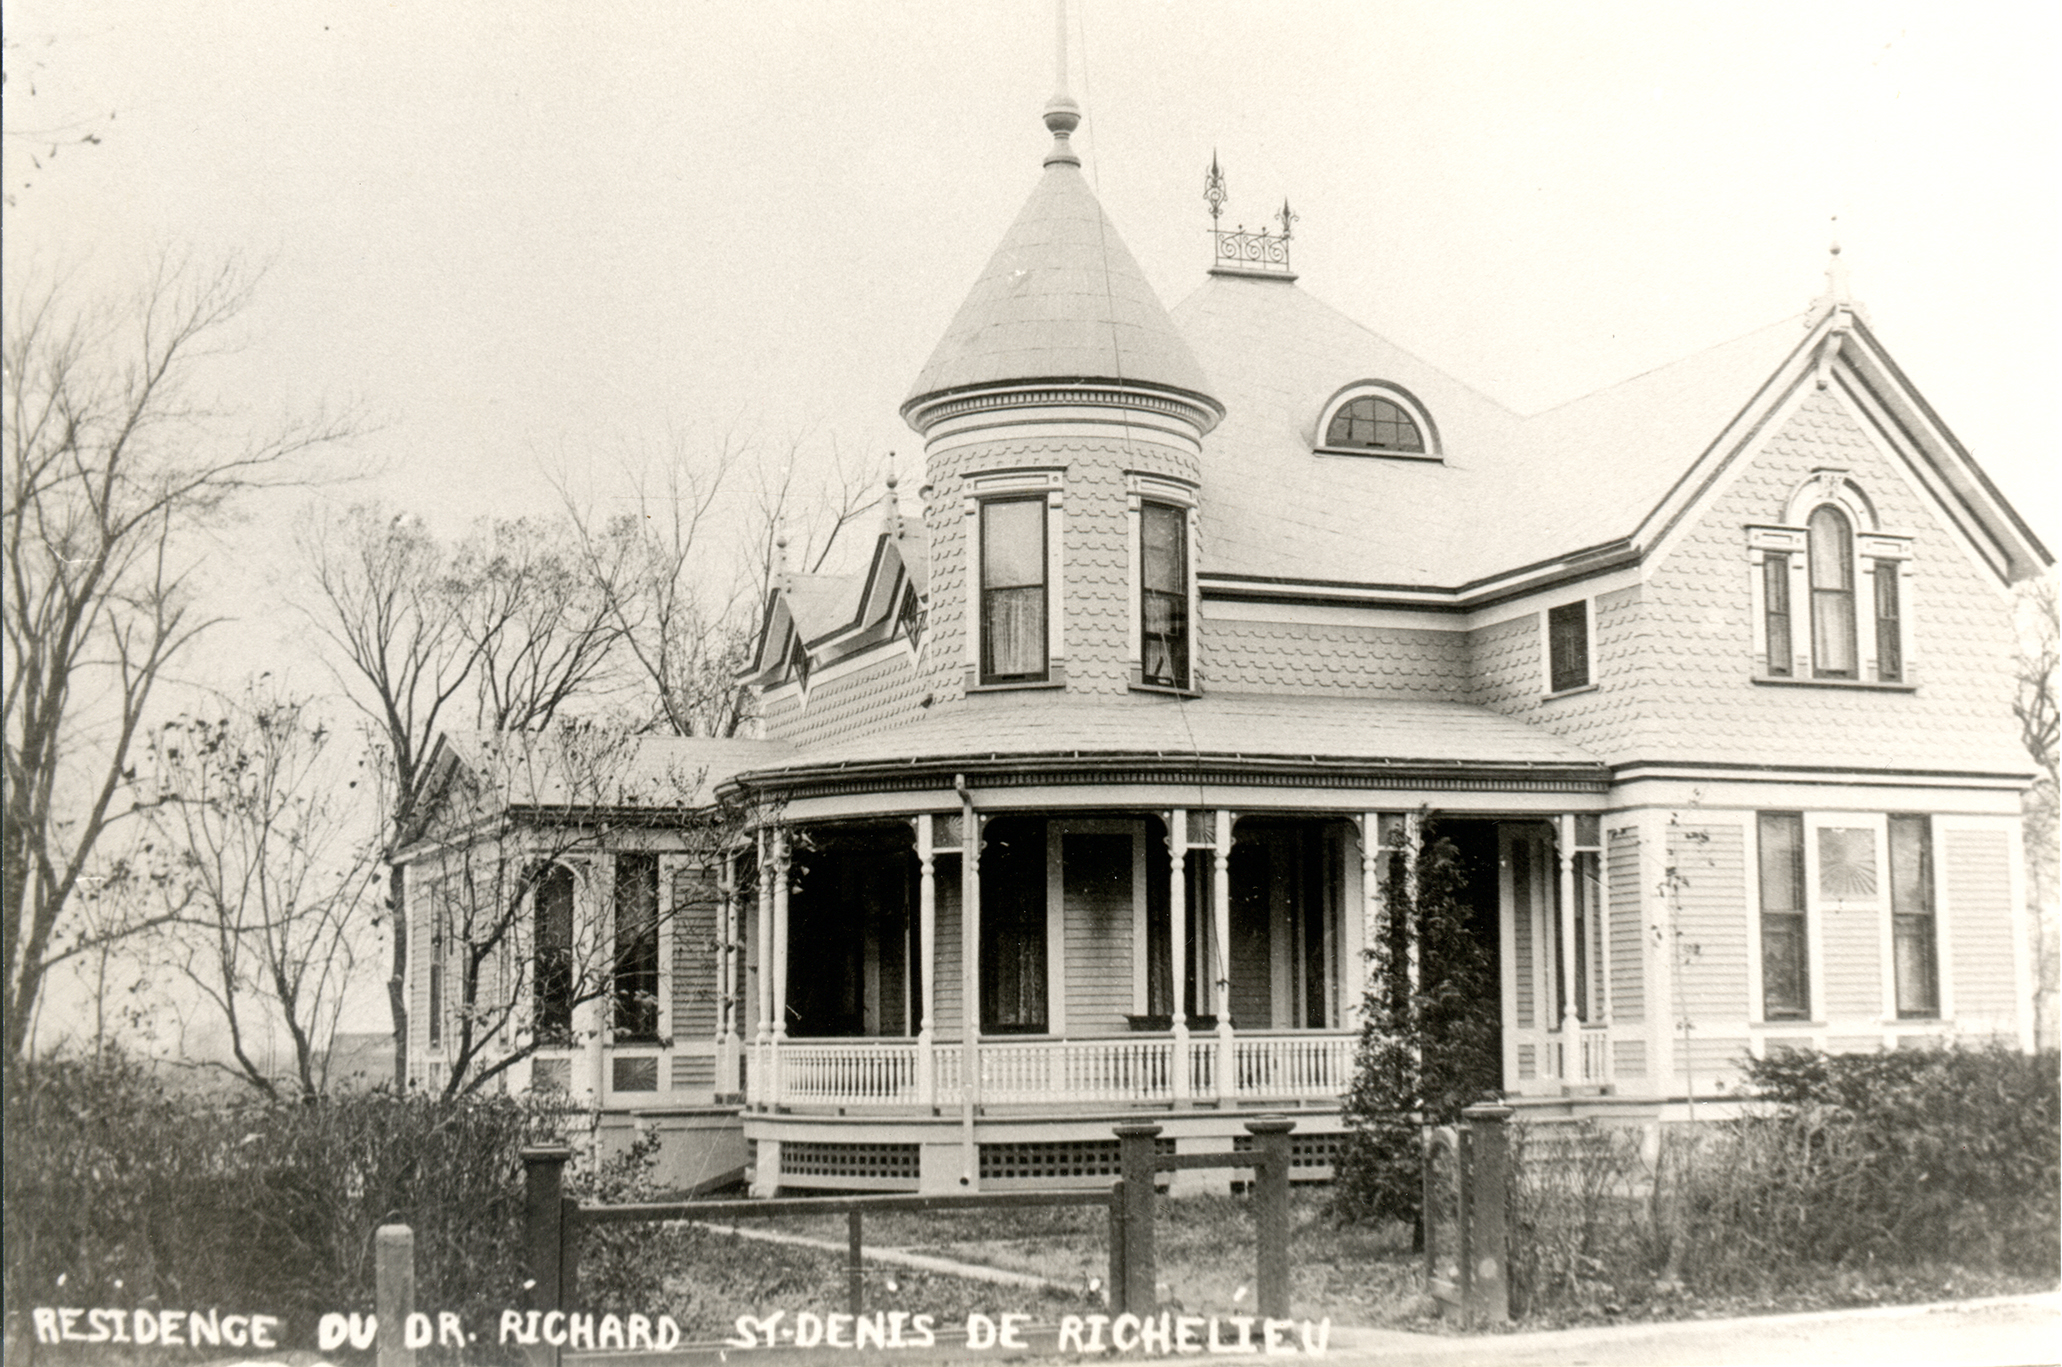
pixel 635 982
pixel 1568 647
pixel 1914 949
pixel 1163 595
pixel 552 895
pixel 1013 590
pixel 1832 594
pixel 1785 944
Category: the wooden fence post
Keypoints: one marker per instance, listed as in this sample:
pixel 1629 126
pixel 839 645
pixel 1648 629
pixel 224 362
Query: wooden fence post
pixel 1114 1286
pixel 394 1292
pixel 1271 1211
pixel 1487 1197
pixel 544 1175
pixel 1135 1152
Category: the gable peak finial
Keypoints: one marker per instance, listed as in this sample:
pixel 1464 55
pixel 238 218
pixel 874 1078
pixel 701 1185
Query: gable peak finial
pixel 1062 115
pixel 1837 288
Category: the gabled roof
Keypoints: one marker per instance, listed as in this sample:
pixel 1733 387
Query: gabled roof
pixel 1061 299
pixel 1608 470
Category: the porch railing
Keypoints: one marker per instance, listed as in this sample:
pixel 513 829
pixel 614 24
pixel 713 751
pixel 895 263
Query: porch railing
pixel 882 1071
pixel 1135 1069
pixel 1125 1068
pixel 1294 1064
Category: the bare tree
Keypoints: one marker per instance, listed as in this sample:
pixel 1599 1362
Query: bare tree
pixel 111 458
pixel 501 631
pixel 2040 729
pixel 275 850
pixel 688 637
pixel 511 961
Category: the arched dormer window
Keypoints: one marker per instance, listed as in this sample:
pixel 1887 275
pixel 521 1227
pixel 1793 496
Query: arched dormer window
pixel 1376 420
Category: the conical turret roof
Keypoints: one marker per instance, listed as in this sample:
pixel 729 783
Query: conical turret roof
pixel 1061 299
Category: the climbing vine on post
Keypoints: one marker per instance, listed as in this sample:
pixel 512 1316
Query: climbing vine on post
pixel 1428 1038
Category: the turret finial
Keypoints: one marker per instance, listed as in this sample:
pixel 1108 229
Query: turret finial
pixel 1836 272
pixel 1062 115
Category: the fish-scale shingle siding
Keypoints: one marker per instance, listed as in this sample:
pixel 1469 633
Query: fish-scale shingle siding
pixel 885 692
pixel 1509 673
pixel 1335 661
pixel 1695 698
pixel 1095 552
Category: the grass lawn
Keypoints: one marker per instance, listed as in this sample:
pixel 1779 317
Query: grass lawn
pixel 1204 1246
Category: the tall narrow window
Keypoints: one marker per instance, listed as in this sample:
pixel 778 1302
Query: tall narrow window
pixel 1889 641
pixel 1013 929
pixel 1775 595
pixel 1013 590
pixel 1568 646
pixel 553 896
pixel 1913 940
pixel 1164 588
pixel 1832 594
pixel 436 1022
pixel 1785 956
pixel 634 987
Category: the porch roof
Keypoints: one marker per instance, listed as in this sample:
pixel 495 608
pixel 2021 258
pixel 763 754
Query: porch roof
pixel 1221 726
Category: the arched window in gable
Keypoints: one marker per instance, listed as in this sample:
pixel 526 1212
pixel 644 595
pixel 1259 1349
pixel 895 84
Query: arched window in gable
pixel 1831 556
pixel 1829 589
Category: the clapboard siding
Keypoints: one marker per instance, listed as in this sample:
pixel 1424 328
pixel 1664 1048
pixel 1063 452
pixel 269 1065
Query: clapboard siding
pixel 1628 966
pixel 949 992
pixel 1979 916
pixel 1852 936
pixel 1096 897
pixel 1709 864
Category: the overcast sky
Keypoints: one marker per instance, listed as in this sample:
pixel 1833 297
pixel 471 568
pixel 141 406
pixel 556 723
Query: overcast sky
pixel 525 233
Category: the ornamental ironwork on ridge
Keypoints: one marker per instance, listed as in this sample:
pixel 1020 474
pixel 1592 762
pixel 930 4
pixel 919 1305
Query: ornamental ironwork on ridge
pixel 1238 251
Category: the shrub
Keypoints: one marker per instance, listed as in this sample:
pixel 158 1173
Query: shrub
pixel 120 1188
pixel 1428 1047
pixel 1856 1162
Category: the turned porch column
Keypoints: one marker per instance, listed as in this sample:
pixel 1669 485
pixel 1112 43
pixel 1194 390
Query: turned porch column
pixel 762 1042
pixel 1223 1082
pixel 927 956
pixel 779 966
pixel 1571 1031
pixel 1178 945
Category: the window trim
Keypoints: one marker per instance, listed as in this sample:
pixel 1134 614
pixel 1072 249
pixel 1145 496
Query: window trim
pixel 1546 648
pixel 1428 431
pixel 1008 486
pixel 536 1012
pixel 1141 489
pixel 1870 549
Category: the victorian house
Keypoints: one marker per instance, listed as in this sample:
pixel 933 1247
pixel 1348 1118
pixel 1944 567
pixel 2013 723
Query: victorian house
pixel 1070 806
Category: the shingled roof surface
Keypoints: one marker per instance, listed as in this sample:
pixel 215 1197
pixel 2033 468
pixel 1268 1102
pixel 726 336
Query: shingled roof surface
pixel 1509 491
pixel 1221 725
pixel 550 770
pixel 1062 298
